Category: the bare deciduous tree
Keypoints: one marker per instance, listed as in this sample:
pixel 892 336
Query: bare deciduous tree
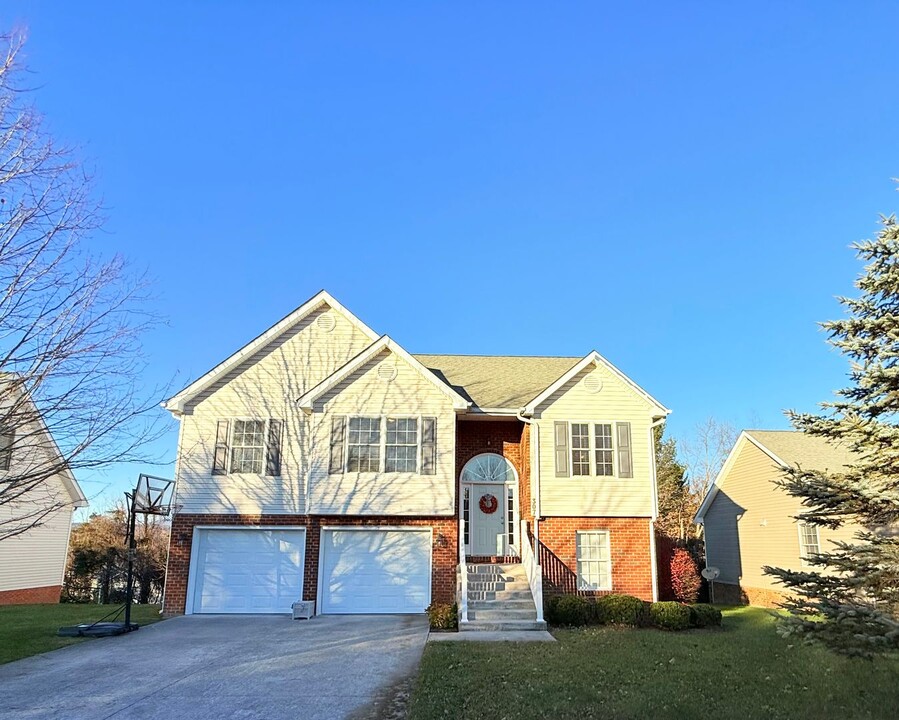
pixel 706 451
pixel 70 322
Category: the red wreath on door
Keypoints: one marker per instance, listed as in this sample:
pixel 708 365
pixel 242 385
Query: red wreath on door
pixel 488 504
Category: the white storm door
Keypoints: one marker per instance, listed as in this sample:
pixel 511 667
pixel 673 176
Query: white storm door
pixel 487 531
pixel 248 571
pixel 375 571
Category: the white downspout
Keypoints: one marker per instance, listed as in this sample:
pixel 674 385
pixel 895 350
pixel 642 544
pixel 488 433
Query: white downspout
pixel 535 477
pixel 655 509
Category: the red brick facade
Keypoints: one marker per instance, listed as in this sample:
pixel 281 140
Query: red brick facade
pixel 631 553
pixel 631 563
pixel 31 596
pixel 444 551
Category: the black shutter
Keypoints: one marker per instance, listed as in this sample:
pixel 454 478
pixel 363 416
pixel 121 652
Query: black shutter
pixel 338 435
pixel 560 428
pixel 7 438
pixel 220 457
pixel 625 455
pixel 273 449
pixel 429 446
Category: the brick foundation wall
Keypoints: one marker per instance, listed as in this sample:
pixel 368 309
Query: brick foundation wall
pixel 31 596
pixel 444 552
pixel 631 559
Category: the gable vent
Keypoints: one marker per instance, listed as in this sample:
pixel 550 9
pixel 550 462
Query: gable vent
pixel 593 383
pixel 387 371
pixel 326 322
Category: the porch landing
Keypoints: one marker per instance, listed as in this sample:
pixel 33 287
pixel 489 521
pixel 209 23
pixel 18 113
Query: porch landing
pixel 493 636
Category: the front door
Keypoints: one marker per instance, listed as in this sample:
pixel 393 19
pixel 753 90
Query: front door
pixel 488 519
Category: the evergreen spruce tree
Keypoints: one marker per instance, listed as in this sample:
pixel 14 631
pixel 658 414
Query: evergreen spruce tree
pixel 849 598
pixel 676 505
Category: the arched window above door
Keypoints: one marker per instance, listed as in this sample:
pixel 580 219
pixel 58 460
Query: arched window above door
pixel 488 468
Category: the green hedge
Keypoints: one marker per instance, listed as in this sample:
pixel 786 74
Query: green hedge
pixel 702 615
pixel 670 615
pixel 621 610
pixel 626 610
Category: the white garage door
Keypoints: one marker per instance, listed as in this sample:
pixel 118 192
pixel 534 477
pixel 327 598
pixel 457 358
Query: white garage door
pixel 375 571
pixel 247 571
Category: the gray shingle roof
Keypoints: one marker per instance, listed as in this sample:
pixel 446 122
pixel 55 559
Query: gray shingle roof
pixel 806 451
pixel 498 381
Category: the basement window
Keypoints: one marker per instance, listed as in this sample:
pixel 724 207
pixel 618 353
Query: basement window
pixel 594 560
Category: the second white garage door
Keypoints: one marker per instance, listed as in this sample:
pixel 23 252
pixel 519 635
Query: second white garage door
pixel 375 571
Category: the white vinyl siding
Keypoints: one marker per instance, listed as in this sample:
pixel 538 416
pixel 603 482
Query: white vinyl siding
pixel 265 385
pixel 36 558
pixel 364 492
pixel 596 495
pixel 594 560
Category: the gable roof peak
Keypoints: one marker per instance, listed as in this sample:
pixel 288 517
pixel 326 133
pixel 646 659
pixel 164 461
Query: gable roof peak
pixel 177 402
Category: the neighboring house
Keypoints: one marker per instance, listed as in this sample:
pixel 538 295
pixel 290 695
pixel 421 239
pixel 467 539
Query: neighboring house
pixel 33 562
pixel 749 522
pixel 325 461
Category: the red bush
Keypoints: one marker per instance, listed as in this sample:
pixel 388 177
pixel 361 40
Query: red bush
pixel 684 576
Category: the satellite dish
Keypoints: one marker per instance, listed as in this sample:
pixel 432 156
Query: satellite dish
pixel 711 573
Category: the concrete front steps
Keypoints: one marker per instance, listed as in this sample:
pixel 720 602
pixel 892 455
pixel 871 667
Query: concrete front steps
pixel 499 598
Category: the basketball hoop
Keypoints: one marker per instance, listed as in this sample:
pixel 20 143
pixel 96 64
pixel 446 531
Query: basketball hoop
pixel 151 496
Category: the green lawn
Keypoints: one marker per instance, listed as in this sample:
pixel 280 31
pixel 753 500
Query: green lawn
pixel 31 629
pixel 743 669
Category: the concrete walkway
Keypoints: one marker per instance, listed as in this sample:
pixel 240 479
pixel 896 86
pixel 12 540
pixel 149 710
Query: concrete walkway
pixel 493 636
pixel 220 666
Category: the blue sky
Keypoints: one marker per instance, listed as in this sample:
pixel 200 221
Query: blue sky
pixel 673 184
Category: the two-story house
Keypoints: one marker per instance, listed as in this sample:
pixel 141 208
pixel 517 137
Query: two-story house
pixel 324 461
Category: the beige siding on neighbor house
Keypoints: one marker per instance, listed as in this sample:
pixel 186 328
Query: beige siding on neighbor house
pixel 364 393
pixel 265 385
pixel 36 558
pixel 585 496
pixel 750 522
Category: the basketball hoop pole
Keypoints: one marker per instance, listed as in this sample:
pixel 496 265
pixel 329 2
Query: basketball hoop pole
pixel 132 549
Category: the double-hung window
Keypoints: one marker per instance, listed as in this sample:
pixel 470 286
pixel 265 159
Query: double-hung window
pixel 248 446
pixel 809 542
pixel 602 434
pixel 364 444
pixel 594 560
pixel 401 454
pixel 580 449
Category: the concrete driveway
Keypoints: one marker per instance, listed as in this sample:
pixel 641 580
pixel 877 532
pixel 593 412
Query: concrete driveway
pixel 221 666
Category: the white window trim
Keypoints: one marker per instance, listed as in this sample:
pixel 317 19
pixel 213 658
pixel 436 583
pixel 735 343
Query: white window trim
pixel 802 549
pixel 591 448
pixel 382 458
pixel 577 560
